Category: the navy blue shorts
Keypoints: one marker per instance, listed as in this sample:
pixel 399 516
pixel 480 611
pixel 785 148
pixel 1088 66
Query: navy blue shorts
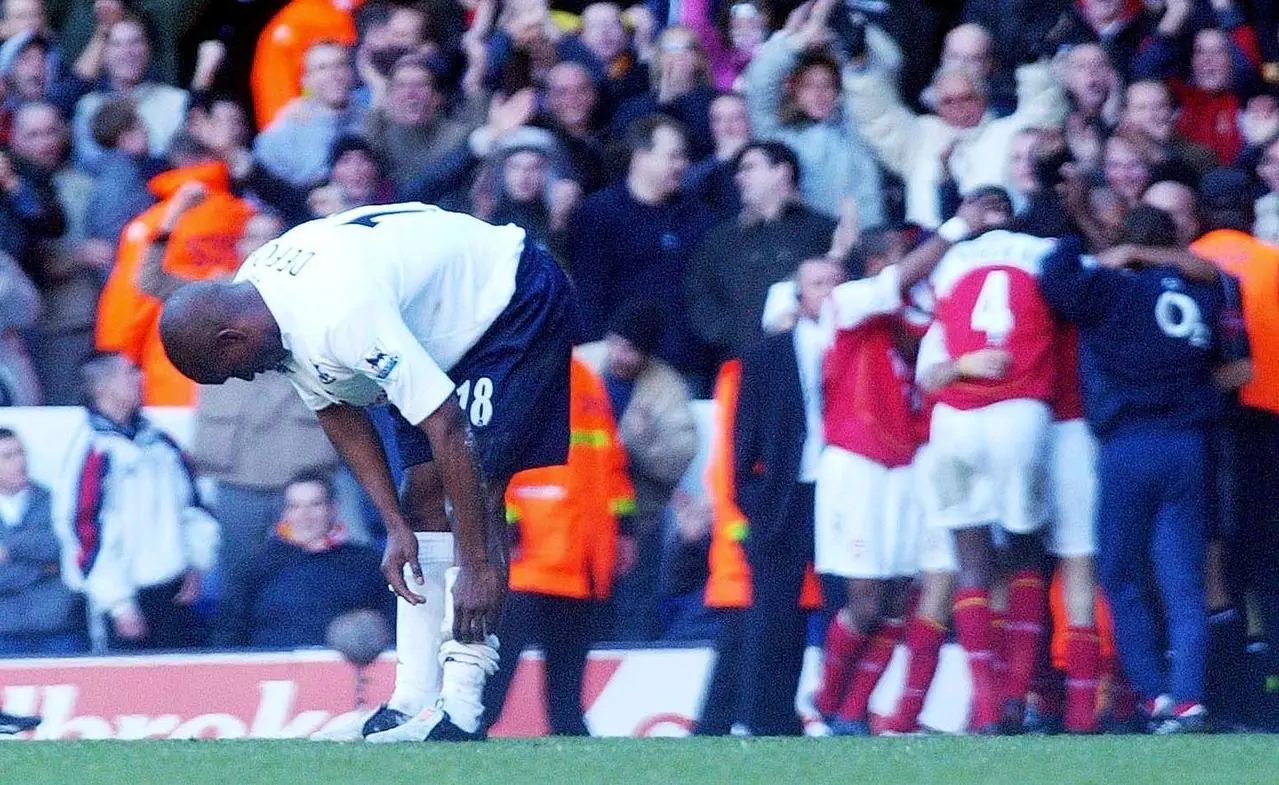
pixel 513 385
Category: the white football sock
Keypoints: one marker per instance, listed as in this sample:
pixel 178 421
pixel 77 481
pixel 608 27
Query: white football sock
pixel 465 667
pixel 418 627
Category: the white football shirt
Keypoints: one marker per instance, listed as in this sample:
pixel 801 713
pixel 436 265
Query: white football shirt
pixel 379 302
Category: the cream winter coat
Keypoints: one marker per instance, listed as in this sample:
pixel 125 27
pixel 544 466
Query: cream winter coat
pixel 911 145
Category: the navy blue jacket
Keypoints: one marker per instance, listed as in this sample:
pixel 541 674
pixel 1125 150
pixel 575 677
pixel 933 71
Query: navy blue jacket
pixel 1148 339
pixel 290 596
pixel 619 249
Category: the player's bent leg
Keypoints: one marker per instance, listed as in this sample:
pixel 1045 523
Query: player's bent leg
pixel 465 667
pixel 889 628
pixel 417 627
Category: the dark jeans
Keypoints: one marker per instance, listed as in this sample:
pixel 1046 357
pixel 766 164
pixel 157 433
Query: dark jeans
pixel 1153 510
pixel 169 625
pixel 562 627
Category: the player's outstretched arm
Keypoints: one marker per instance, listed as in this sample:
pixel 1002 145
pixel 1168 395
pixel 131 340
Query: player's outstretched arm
pixel 1190 265
pixel 353 435
pixel 480 589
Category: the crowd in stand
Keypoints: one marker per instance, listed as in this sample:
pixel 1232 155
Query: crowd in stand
pixel 680 159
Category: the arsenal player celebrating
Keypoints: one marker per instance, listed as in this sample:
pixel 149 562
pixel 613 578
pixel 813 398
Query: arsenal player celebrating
pixel 866 523
pixel 990 443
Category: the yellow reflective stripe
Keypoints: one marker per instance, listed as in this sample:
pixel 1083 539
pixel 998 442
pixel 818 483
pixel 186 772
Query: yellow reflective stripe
pixel 737 530
pixel 624 505
pixel 512 515
pixel 582 437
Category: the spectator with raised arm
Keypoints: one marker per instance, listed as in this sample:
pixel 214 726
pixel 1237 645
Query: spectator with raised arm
pixel 964 137
pixel 126 62
pixel 1224 62
pixel 1117 26
pixel 793 95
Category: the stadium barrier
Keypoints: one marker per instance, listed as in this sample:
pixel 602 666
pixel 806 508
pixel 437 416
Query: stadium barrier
pixel 294 694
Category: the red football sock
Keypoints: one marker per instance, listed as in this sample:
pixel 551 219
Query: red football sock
pixel 1083 665
pixel 874 661
pixel 923 646
pixel 1024 632
pixel 974 630
pixel 999 644
pixel 843 646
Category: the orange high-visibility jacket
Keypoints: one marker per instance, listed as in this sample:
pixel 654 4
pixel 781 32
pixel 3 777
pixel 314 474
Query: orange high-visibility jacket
pixel 202 246
pixel 1256 265
pixel 276 77
pixel 568 514
pixel 729 582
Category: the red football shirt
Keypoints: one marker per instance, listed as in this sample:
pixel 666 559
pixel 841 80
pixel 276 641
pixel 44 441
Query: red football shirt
pixel 988 297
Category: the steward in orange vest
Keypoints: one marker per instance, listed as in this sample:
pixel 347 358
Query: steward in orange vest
pixel 563 561
pixel 202 246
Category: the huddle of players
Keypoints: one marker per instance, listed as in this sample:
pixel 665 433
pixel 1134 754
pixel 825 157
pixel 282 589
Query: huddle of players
pixel 944 439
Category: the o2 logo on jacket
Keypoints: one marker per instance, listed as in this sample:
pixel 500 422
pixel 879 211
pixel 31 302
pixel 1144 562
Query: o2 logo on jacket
pixel 382 363
pixel 1178 316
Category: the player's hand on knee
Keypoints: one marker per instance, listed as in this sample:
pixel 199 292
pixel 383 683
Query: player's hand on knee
pixel 478 595
pixel 401 550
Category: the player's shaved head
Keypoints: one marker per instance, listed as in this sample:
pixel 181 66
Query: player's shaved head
pixel 215 331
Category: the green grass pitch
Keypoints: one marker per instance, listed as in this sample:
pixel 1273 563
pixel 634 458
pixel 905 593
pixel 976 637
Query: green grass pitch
pixel 1238 760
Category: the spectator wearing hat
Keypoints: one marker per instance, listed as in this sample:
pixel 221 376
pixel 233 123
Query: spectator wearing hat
pixel 508 176
pixel 656 426
pixel 730 274
pixel 793 92
pixel 296 146
pixel 409 124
